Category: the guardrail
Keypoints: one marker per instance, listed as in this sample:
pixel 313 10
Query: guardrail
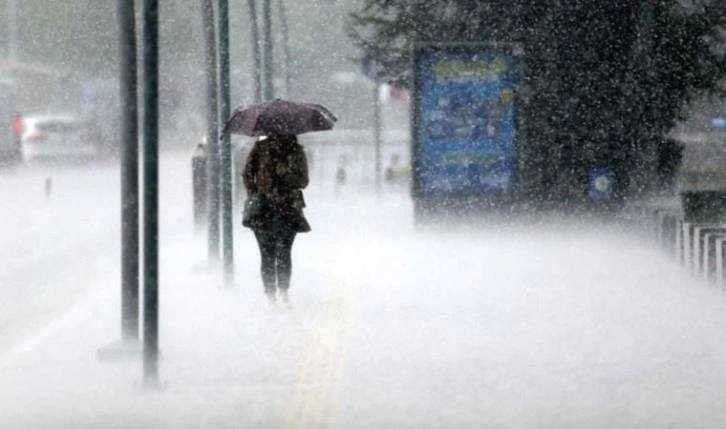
pixel 692 231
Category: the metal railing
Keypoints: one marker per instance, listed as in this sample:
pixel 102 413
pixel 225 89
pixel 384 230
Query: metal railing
pixel 698 245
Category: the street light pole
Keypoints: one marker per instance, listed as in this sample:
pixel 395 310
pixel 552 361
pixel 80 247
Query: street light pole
pixel 129 174
pixel 267 49
pixel 282 10
pixel 151 192
pixel 256 54
pixel 226 144
pixel 12 14
pixel 647 149
pixel 212 129
pixel 377 140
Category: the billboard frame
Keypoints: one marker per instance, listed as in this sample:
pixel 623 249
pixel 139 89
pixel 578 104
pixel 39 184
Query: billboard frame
pixel 426 201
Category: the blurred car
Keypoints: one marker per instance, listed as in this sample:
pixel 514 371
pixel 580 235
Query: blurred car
pixel 56 137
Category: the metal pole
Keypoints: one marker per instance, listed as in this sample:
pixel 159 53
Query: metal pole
pixel 13 30
pixel 226 144
pixel 377 131
pixel 285 43
pixel 212 129
pixel 129 174
pixel 267 49
pixel 643 151
pixel 256 54
pixel 151 194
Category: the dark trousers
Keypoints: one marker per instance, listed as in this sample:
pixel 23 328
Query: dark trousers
pixel 275 258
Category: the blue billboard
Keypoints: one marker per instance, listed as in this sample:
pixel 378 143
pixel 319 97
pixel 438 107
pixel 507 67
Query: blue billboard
pixel 464 119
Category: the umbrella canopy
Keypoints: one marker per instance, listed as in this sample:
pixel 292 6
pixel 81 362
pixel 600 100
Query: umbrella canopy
pixel 279 117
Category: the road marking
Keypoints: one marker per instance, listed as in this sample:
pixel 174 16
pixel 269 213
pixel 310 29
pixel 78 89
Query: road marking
pixel 316 399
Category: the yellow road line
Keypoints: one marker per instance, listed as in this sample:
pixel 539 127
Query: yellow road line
pixel 317 393
pixel 338 376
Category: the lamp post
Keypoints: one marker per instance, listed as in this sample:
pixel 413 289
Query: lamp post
pixel 377 140
pixel 129 175
pixel 284 28
pixel 151 192
pixel 212 129
pixel 225 152
pixel 12 30
pixel 267 50
pixel 256 54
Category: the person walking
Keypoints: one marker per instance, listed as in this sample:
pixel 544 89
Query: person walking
pixel 277 168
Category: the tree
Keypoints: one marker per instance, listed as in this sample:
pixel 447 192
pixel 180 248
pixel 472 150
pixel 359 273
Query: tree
pixel 605 81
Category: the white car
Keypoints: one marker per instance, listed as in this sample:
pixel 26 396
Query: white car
pixel 55 137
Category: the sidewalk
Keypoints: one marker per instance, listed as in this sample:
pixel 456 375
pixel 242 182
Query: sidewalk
pixel 395 329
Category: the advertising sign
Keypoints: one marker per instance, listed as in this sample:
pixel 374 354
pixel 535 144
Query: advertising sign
pixel 464 119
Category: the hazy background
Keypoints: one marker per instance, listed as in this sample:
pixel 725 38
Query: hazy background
pixel 72 49
pixel 550 325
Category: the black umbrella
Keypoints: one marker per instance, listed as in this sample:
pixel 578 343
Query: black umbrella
pixel 279 117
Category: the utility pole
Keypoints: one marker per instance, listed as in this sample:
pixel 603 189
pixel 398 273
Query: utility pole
pixel 226 144
pixel 256 54
pixel 647 147
pixel 267 50
pixel 129 344
pixel 151 192
pixel 129 174
pixel 282 10
pixel 372 69
pixel 212 129
pixel 377 140
pixel 12 14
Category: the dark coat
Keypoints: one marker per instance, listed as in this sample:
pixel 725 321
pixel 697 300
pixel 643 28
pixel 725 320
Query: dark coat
pixel 278 168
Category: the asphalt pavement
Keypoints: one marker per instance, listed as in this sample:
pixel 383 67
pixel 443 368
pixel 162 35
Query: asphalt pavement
pixel 509 326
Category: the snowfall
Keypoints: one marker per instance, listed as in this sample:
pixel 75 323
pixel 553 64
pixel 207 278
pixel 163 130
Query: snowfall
pixel 504 325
